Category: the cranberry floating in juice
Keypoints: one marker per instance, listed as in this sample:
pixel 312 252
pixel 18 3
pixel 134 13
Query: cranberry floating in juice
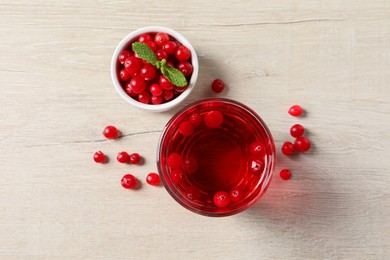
pixel 216 157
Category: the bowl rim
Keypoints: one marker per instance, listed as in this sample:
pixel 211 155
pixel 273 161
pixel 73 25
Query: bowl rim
pixel 168 105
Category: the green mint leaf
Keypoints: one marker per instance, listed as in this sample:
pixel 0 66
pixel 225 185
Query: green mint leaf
pixel 144 52
pixel 174 76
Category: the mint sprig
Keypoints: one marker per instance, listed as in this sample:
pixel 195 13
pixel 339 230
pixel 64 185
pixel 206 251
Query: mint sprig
pixel 175 76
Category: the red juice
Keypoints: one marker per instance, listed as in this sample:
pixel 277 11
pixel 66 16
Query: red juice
pixel 227 148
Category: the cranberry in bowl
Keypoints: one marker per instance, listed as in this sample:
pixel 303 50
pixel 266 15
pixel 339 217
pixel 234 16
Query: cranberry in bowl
pixel 216 157
pixel 154 68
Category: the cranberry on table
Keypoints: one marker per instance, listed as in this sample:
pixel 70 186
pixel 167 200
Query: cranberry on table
pixel 170 47
pixel 285 174
pixel 124 75
pixel 177 176
pixel 218 86
pixel 186 128
pixel 123 157
pixel 123 56
pixel 156 90
pixel 295 110
pixel 297 130
pixel 213 119
pixel 156 100
pixel 145 37
pixel 128 181
pixel 133 65
pixel 183 53
pixel 144 97
pixel 99 157
pixel 302 144
pixel 161 38
pixel 134 158
pixel 185 68
pixel 174 160
pixel 288 148
pixel 148 72
pixel 221 199
pixel 137 84
pixel 110 132
pixel 153 179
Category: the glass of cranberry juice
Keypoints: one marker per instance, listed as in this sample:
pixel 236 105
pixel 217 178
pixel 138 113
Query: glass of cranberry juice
pixel 216 157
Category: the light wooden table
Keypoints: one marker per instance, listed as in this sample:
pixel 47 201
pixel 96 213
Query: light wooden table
pixel 332 57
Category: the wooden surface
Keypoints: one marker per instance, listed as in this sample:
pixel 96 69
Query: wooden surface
pixel 331 57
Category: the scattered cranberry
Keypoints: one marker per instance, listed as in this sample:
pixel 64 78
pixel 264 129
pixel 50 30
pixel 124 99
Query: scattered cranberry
pixel 256 166
pixel 302 144
pixel 297 130
pixel 128 181
pixel 161 38
pixel 190 165
pixel 165 83
pixel 213 119
pixel 123 157
pixel 257 149
pixel 177 176
pixel 133 65
pixel 217 86
pixel 156 100
pixel 170 47
pixel 236 195
pixel 295 110
pixel 144 97
pixel 196 119
pixel 285 174
pixel 123 56
pixel 110 132
pixel 183 53
pixel 144 38
pixel 288 148
pixel 99 157
pixel 156 90
pixel 137 84
pixel 135 158
pixel 148 72
pixel 186 128
pixel 221 199
pixel 174 160
pixel 124 75
pixel 185 68
pixel 153 179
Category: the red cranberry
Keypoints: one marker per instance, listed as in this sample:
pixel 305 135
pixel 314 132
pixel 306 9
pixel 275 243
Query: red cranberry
pixel 165 83
pixel 161 54
pixel 285 174
pixel 168 94
pixel 153 179
pixel 110 132
pixel 288 148
pixel 170 47
pixel 161 38
pixel 148 72
pixel 302 144
pixel 156 100
pixel 156 90
pixel 295 110
pixel 221 199
pixel 192 193
pixel 144 38
pixel 137 84
pixel 297 130
pixel 123 56
pixel 186 128
pixel 213 119
pixel 123 157
pixel 236 195
pixel 217 86
pixel 144 97
pixel 196 119
pixel 256 166
pixel 183 53
pixel 124 75
pixel 135 158
pixel 190 165
pixel 152 45
pixel 257 149
pixel 174 160
pixel 133 65
pixel 185 68
pixel 128 181
pixel 129 91
pixel 99 157
pixel 177 176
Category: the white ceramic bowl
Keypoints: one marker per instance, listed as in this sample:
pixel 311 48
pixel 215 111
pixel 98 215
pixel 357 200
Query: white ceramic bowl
pixel 124 44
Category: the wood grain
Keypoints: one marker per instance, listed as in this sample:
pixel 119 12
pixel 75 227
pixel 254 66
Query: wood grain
pixel 332 57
